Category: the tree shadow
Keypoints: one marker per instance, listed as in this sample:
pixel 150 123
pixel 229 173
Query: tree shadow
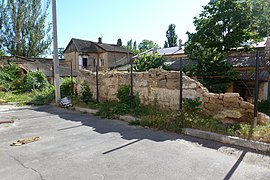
pixel 127 132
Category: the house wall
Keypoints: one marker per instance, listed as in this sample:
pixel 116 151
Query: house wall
pixel 111 59
pixel 72 57
pixel 163 87
pixel 116 59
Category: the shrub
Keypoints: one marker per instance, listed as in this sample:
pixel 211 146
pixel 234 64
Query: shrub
pixel 66 87
pixel 123 94
pixel 35 81
pixel 146 62
pixel 106 109
pixel 245 131
pixel 44 96
pixel 120 108
pixel 192 105
pixel 262 133
pixel 85 94
pixel 264 106
pixel 9 74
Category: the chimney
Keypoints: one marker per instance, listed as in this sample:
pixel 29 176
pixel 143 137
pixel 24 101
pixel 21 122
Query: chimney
pixel 119 42
pixel 100 40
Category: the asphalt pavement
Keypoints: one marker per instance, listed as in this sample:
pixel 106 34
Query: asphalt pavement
pixel 75 145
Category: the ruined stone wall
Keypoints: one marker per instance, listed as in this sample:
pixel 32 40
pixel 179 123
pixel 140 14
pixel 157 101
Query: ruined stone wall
pixel 230 107
pixel 163 87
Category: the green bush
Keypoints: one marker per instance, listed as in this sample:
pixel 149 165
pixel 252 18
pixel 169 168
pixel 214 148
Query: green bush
pixel 262 133
pixel 35 81
pixel 66 87
pixel 9 74
pixel 120 108
pixel 192 105
pixel 85 93
pixel 106 109
pixel 245 131
pixel 123 94
pixel 44 96
pixel 264 107
pixel 146 62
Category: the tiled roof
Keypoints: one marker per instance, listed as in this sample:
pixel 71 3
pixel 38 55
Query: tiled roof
pixel 84 46
pixel 47 69
pixel 93 47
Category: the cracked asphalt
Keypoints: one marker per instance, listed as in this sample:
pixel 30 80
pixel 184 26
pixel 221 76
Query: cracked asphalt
pixel 81 146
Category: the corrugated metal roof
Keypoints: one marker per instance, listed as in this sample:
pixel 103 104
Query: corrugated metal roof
pixel 162 51
pixel 170 51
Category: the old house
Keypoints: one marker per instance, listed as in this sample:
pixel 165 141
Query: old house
pixel 245 63
pixel 88 55
pixel 44 65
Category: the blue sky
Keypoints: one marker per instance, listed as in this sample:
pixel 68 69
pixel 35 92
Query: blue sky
pixel 125 19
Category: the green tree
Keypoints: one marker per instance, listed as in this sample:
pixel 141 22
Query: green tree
pixel 9 75
pixel 166 45
pixel 227 24
pixel 60 52
pixel 35 81
pixel 24 29
pixel 2 20
pixel 146 62
pixel 147 44
pixel 171 37
pixel 132 46
pixel 222 26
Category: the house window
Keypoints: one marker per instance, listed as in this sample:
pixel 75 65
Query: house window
pixel 94 62
pixel 101 62
pixel 84 63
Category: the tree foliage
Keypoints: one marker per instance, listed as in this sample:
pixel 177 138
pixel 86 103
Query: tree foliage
pixel 9 74
pixel 171 37
pixel 132 46
pixel 227 24
pixel 2 20
pixel 85 93
pixel 35 81
pixel 147 44
pixel 146 62
pixel 222 26
pixel 66 87
pixel 24 28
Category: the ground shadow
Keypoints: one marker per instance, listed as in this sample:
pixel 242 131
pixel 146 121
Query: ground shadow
pixel 128 132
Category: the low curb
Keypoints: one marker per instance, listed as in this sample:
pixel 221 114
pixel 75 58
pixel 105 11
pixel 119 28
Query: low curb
pixel 265 147
pixel 127 118
pixel 86 110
